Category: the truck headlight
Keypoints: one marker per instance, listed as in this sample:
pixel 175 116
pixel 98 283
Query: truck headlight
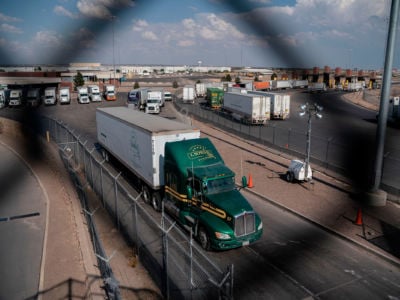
pixel 222 236
pixel 260 226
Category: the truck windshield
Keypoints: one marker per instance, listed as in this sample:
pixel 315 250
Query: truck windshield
pixel 153 101
pixel 220 185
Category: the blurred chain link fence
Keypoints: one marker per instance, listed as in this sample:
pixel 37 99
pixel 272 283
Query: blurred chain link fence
pixel 176 263
pixel 326 152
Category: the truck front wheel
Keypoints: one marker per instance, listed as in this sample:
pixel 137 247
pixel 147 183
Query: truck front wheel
pixel 204 239
pixel 156 201
pixel 146 194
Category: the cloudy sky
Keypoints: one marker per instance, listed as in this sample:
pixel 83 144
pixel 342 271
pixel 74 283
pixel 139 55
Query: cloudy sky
pixel 259 33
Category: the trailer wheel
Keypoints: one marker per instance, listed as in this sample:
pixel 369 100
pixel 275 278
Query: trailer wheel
pixel 104 154
pixel 204 239
pixel 156 201
pixel 146 194
pixel 289 176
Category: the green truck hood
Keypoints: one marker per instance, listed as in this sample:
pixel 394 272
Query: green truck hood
pixel 232 202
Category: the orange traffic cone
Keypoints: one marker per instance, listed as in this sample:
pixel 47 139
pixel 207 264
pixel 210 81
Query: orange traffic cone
pixel 250 183
pixel 359 217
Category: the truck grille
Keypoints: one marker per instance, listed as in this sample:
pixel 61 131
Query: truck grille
pixel 245 224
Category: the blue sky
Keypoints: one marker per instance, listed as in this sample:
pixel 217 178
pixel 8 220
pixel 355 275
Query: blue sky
pixel 259 33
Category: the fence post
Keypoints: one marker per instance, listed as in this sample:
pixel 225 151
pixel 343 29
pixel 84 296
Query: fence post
pixel 116 199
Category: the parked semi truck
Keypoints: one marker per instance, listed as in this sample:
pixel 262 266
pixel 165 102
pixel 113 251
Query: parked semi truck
pixel 15 97
pixel 64 95
pixel 247 107
pixel 50 96
pixel 214 97
pixel 109 92
pixel 317 87
pixel 4 97
pixel 33 97
pixel 83 95
pixel 171 163
pixel 154 101
pixel 94 93
pixel 189 94
pixel 280 104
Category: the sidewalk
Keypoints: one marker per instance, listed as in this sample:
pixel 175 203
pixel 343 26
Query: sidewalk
pixel 327 202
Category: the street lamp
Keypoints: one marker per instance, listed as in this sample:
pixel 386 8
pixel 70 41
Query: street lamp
pixel 112 20
pixel 310 110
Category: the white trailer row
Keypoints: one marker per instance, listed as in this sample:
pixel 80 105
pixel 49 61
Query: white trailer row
pixel 254 107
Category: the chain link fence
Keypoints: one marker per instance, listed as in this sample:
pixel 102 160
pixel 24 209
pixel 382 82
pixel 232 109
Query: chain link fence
pixel 326 152
pixel 177 264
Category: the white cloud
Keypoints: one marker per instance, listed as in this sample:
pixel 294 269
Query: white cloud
pixel 139 25
pixel 5 18
pixel 100 9
pixel 10 29
pixel 47 38
pixel 186 43
pixel 260 1
pixel 149 35
pixel 61 11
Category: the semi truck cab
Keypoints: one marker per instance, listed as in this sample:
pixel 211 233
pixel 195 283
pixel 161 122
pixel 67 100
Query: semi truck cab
pixel 200 193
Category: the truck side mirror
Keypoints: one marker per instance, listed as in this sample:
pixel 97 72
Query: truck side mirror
pixel 189 192
pixel 244 182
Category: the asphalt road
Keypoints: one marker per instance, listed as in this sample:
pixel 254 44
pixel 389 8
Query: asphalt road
pixel 22 226
pixel 297 260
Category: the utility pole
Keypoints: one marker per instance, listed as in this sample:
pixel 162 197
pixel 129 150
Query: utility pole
pixel 385 93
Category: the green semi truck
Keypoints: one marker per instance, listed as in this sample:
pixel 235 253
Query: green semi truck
pixel 214 97
pixel 185 172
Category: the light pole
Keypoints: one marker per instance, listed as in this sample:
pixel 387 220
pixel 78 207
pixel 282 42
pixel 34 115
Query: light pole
pixel 310 110
pixel 112 20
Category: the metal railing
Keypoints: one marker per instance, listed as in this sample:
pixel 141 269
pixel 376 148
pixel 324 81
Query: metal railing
pixel 177 264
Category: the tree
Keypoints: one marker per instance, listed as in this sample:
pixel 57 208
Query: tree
pixel 274 76
pixel 78 80
pixel 175 84
pixel 237 80
pixel 136 85
pixel 227 78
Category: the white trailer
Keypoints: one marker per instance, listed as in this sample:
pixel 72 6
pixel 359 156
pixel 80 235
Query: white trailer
pixel 281 84
pixel 94 93
pixel 200 89
pixel 64 95
pixel 15 97
pixel 280 104
pixel 299 84
pixel 83 96
pixel 50 96
pixel 247 107
pixel 188 94
pixel 137 140
pixel 33 97
pixel 317 87
pixel 354 86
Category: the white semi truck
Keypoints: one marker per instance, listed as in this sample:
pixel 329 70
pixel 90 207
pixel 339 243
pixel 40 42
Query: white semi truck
pixel 50 96
pixel 247 107
pixel 15 98
pixel 153 101
pixel 94 93
pixel 83 95
pixel 64 95
pixel 4 97
pixel 109 92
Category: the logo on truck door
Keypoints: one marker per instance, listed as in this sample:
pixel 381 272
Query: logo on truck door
pixel 200 152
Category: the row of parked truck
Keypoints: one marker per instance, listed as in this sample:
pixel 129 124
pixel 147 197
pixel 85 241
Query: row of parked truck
pixel 34 96
pixel 248 106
